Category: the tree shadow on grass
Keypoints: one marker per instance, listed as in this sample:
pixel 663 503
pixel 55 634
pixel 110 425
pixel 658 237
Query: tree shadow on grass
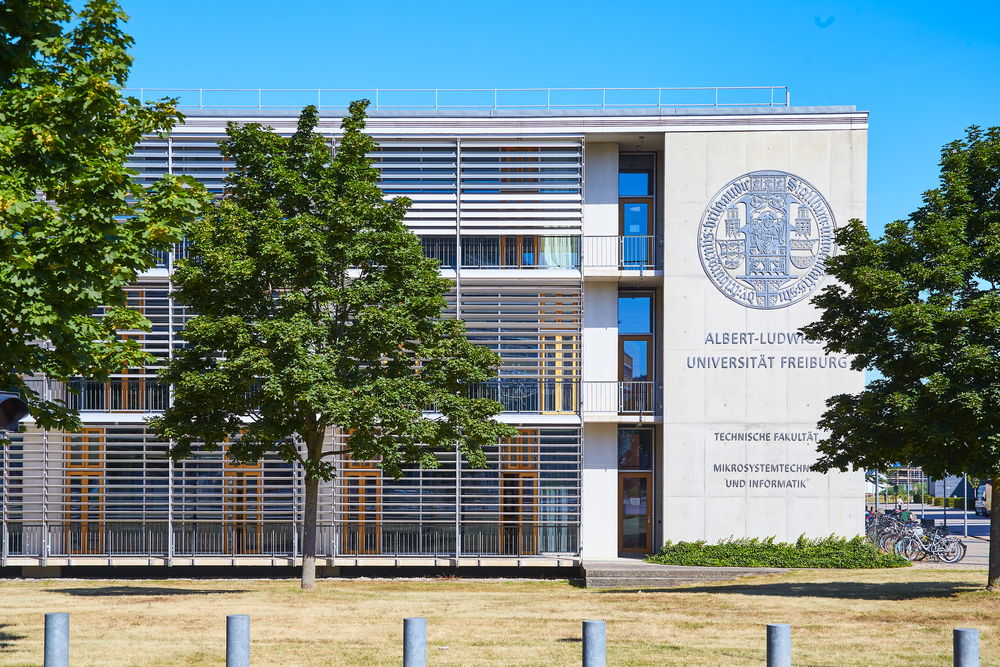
pixel 120 591
pixel 7 639
pixel 846 590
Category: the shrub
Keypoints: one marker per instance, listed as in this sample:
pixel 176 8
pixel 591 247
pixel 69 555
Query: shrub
pixel 834 552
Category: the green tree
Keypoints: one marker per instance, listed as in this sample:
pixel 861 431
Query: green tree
pixel 74 227
pixel 921 306
pixel 317 309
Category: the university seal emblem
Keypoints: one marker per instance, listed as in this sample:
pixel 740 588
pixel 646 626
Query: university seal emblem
pixel 764 239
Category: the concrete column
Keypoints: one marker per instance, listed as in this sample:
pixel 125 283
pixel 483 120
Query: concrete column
pixel 599 539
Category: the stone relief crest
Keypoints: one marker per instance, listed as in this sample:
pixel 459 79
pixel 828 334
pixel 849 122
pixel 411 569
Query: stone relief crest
pixel 764 239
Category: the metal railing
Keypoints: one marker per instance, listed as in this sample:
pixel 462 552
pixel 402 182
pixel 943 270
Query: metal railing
pixel 530 394
pixel 633 397
pixel 120 394
pixel 283 539
pixel 624 253
pixel 472 98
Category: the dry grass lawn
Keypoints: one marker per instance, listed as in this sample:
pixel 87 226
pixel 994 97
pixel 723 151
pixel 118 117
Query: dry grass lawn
pixel 889 617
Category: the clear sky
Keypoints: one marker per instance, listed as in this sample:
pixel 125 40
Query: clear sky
pixel 925 70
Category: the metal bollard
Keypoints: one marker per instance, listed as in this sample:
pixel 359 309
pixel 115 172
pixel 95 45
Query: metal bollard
pixel 237 640
pixel 414 642
pixel 594 644
pixel 779 645
pixel 966 645
pixel 57 640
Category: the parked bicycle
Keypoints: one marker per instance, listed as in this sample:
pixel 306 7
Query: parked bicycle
pixel 937 543
pixel 912 541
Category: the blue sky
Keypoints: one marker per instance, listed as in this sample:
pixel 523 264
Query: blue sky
pixel 925 70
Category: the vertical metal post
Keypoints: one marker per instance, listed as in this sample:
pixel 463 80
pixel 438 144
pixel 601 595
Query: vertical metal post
pixel 458 504
pixel 297 479
pixel 4 483
pixel 435 99
pixel 779 645
pixel 376 98
pixel 594 644
pixel 876 491
pixel 965 505
pixel 57 640
pixel 966 647
pixel 414 642
pixel 171 545
pixel 237 640
pixel 201 98
pixel 45 547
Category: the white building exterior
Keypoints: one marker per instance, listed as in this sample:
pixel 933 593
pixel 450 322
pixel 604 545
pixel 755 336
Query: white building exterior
pixel 642 271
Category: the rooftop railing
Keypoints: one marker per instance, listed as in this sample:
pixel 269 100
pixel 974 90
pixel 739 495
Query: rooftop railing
pixel 442 99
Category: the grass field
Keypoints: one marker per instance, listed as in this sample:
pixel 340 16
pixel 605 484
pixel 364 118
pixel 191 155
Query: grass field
pixel 854 617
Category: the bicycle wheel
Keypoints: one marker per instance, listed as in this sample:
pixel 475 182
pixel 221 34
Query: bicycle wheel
pixel 909 548
pixel 951 550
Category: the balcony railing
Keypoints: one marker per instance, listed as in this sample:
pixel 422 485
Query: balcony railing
pixel 505 252
pixel 284 539
pixel 473 98
pixel 122 394
pixel 634 397
pixel 530 394
pixel 624 253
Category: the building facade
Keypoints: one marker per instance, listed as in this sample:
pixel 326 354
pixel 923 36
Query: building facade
pixel 642 270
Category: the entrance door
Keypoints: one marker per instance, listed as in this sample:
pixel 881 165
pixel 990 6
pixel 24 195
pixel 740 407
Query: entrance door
pixel 635 525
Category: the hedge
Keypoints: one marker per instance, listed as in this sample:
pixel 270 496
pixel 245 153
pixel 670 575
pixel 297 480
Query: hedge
pixel 833 552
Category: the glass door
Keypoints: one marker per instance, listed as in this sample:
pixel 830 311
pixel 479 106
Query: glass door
pixel 635 534
pixel 636 214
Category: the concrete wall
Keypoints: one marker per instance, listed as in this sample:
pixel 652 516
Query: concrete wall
pixel 709 411
pixel 600 192
pixel 599 502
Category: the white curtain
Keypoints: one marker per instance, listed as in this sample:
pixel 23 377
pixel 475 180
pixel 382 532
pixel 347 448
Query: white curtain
pixel 559 252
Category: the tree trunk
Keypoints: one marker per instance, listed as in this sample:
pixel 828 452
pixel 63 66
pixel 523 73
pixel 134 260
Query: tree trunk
pixel 993 579
pixel 309 534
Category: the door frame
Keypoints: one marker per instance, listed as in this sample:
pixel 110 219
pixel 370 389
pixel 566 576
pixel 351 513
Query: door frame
pixel 648 547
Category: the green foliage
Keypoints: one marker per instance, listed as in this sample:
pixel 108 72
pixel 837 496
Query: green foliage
pixel 316 309
pixel 833 552
pixel 921 306
pixel 74 227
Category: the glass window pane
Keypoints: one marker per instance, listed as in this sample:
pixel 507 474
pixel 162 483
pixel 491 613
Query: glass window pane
pixel 633 184
pixel 634 499
pixel 635 449
pixel 635 314
pixel 635 360
pixel 636 219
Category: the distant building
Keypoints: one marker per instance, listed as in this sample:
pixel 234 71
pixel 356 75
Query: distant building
pixel 642 268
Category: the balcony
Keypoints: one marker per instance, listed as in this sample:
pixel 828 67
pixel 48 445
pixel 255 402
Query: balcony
pixel 531 395
pixel 505 252
pixel 629 401
pixel 617 256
